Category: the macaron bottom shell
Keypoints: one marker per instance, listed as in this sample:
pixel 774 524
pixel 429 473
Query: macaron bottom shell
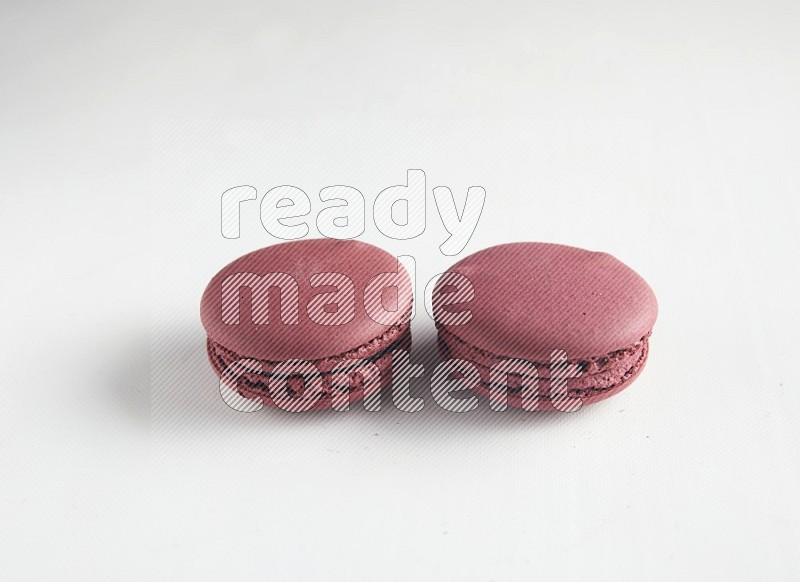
pixel 599 377
pixel 256 384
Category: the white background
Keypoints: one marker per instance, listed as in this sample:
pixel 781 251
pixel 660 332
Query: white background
pixel 664 133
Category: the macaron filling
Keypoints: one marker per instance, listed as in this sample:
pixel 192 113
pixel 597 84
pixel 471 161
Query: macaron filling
pixel 377 351
pixel 599 374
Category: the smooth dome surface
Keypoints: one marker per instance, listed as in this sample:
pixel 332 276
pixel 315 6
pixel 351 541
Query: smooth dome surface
pixel 533 298
pixel 307 339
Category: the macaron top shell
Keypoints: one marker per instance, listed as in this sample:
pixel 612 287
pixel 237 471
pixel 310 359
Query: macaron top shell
pixel 533 298
pixel 305 338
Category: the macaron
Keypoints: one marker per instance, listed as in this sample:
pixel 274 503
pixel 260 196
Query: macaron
pixel 571 326
pixel 304 325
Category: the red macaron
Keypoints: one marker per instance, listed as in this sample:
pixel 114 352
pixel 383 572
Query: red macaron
pixel 579 317
pixel 299 323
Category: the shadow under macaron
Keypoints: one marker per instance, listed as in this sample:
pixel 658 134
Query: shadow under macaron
pixel 185 394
